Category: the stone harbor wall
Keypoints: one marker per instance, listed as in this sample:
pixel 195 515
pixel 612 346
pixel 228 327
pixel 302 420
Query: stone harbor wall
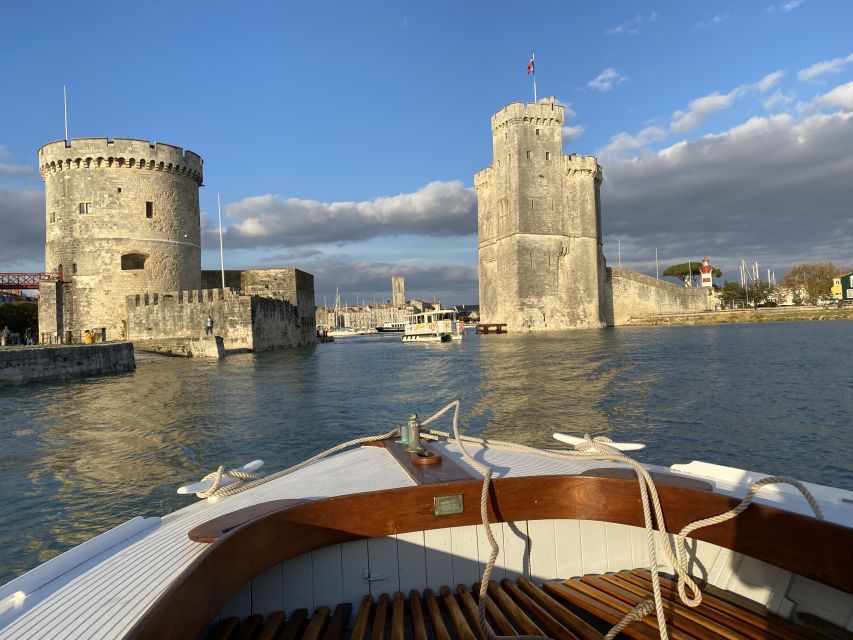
pixel 635 295
pixel 244 322
pixel 20 365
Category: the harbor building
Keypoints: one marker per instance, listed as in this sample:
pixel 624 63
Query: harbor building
pixel 540 254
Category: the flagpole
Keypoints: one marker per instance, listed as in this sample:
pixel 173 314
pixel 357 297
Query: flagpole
pixel 221 253
pixel 533 58
pixel 65 107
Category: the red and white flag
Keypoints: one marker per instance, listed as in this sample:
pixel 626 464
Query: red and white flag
pixel 530 66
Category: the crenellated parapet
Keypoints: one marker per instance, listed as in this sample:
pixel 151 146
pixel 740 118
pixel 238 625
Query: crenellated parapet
pixel 574 165
pixel 544 113
pixel 119 153
pixel 192 296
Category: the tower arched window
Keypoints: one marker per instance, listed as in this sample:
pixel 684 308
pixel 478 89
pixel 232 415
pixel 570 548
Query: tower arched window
pixel 133 261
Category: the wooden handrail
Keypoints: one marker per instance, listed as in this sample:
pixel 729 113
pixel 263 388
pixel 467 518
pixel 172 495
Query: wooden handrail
pixel 808 547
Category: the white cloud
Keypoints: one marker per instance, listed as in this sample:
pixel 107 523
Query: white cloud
pixel 567 108
pixel 777 100
pixel 822 68
pixel 573 133
pixel 438 209
pixel 624 143
pixel 840 97
pixel 769 81
pixel 633 25
pixel 787 7
pixel 606 80
pixel 713 21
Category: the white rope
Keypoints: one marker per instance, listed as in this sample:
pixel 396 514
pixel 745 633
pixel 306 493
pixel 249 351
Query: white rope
pixel 215 489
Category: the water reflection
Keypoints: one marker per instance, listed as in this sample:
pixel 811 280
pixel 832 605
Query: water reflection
pixel 79 457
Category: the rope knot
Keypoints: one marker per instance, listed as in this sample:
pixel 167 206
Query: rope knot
pixel 216 489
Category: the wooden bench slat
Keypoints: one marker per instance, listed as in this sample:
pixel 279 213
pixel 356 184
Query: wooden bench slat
pixel 469 606
pixel 273 623
pixel 249 626
pixel 378 631
pixel 824 627
pixel 294 625
pixel 362 618
pixel 567 618
pixel 543 619
pixel 494 615
pixel 339 621
pixel 316 624
pixel 463 631
pixel 419 630
pixel 224 629
pixel 398 615
pixel 435 616
pixel 512 611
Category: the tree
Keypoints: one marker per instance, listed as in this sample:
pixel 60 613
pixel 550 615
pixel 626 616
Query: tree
pixel 731 292
pixel 19 316
pixel 686 271
pixel 811 281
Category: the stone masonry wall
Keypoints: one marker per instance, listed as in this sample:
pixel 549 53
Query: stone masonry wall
pixel 631 295
pixel 20 365
pixel 105 199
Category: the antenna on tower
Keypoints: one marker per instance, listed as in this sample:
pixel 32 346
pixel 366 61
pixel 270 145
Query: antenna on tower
pixel 65 107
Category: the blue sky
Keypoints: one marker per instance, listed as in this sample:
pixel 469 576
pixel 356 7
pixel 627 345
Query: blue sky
pixel 343 136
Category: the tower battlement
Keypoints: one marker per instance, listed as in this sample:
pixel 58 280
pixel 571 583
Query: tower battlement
pixel 586 165
pixel 85 153
pixel 547 112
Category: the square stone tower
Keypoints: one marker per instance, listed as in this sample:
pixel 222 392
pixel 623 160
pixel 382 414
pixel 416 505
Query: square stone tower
pixel 541 265
pixel 398 291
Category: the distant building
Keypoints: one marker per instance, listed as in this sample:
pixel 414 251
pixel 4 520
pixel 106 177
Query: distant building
pixel 842 287
pixel 398 291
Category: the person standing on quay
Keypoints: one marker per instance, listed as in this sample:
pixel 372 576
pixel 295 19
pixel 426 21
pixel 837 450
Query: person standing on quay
pixel 208 326
pixel 4 335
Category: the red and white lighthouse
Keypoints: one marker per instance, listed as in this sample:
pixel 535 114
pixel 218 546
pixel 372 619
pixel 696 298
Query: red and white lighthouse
pixel 707 272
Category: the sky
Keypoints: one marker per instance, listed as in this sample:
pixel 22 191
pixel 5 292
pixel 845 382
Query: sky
pixel 343 137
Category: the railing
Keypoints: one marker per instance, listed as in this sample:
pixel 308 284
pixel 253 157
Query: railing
pixel 27 280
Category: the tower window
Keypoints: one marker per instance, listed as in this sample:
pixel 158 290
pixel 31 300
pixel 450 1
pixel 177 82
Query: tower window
pixel 118 190
pixel 149 209
pixel 537 132
pixel 53 216
pixel 547 155
pixel 73 267
pixel 84 207
pixel 528 155
pixel 133 261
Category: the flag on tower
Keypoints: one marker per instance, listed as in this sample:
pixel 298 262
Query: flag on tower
pixel 530 66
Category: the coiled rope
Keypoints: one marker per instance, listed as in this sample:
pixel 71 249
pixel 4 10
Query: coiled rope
pixel 597 449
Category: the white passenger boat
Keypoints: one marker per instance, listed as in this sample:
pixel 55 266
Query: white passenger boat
pixel 422 534
pixel 392 327
pixel 439 325
pixel 343 332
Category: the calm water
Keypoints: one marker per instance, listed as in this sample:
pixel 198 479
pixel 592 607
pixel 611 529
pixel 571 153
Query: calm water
pixel 79 457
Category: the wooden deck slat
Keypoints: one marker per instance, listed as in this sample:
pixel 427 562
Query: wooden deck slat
pixel 224 629
pixel 494 615
pixel 824 627
pixel 674 620
pixel 398 617
pixel 512 611
pixel 746 611
pixel 567 618
pixel 419 630
pixel 294 625
pixel 272 624
pixel 600 609
pixel 338 622
pixel 378 631
pixel 316 624
pixel 435 616
pixel 362 618
pixel 472 612
pixel 463 631
pixel 543 619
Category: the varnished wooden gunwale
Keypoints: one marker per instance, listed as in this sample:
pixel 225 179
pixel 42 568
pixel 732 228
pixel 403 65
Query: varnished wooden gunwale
pixel 814 549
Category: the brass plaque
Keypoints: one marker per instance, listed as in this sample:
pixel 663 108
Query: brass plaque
pixel 448 505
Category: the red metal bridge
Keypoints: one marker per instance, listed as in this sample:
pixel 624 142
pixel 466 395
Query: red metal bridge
pixel 27 280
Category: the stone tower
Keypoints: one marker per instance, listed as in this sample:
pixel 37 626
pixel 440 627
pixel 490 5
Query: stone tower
pixel 541 265
pixel 398 291
pixel 122 217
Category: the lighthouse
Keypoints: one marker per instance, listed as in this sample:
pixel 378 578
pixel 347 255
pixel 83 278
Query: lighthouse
pixel 707 272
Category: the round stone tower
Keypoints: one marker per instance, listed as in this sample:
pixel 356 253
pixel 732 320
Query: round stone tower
pixel 122 217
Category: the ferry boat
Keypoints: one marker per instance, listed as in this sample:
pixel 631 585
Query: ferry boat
pixel 426 534
pixel 439 325
pixel 392 327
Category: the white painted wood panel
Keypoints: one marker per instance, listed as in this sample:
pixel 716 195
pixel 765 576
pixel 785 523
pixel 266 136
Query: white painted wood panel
pixel 298 583
pixel 384 569
pixel 463 545
pixel 240 604
pixel 543 552
pixel 267 592
pixel 411 556
pixel 516 549
pixel 618 539
pixel 484 550
pixel 639 547
pixel 439 561
pixel 594 546
pixel 354 566
pixel 567 535
pixel 327 576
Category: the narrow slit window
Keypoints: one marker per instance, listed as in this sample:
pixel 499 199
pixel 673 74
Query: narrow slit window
pixel 53 216
pixel 73 267
pixel 118 190
pixel 537 132
pixel 149 209
pixel 547 155
pixel 528 155
pixel 84 207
